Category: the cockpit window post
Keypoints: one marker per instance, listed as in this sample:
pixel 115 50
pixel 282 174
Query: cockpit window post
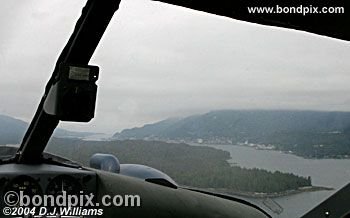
pixel 88 32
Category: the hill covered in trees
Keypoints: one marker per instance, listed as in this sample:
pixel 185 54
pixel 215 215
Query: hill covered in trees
pixel 195 166
pixel 12 131
pixel 312 134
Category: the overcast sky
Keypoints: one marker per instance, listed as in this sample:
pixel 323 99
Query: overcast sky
pixel 158 61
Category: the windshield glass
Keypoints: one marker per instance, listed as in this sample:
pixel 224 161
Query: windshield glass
pixel 215 103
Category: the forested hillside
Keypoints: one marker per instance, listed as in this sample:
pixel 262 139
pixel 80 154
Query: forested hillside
pixel 188 165
pixel 305 133
pixel 12 131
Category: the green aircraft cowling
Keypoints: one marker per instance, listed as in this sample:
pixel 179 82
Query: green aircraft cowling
pixel 160 201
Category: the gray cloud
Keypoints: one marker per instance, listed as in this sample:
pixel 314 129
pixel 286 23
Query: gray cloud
pixel 160 61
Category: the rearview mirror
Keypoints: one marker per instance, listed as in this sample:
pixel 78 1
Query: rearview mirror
pixel 72 97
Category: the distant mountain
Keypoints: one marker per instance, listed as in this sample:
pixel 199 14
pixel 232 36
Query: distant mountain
pixel 302 132
pixel 12 131
pixel 156 130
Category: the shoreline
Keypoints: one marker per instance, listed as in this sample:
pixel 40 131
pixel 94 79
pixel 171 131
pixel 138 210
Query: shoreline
pixel 270 195
pixel 344 157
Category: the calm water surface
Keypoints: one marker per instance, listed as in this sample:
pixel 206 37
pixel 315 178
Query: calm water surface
pixel 333 173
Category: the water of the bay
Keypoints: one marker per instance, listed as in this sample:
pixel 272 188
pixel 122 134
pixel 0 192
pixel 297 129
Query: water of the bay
pixel 333 173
